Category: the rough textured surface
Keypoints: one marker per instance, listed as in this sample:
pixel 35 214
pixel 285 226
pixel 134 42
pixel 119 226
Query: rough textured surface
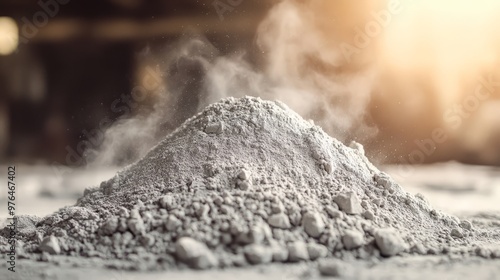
pixel 248 181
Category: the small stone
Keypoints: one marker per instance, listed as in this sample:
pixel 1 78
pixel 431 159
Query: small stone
pixel 194 253
pixel 419 249
pixel 279 221
pixel 389 242
pixel 254 235
pixel 215 128
pixel 368 215
pixel 316 154
pixel 147 240
pixel 167 202
pixel 335 268
pixel 313 224
pixel 333 212
pixel 134 214
pixel 172 223
pixel 297 251
pixel 456 233
pixel 126 237
pixel 136 226
pixel 26 225
pixel 277 207
pixel 466 225
pixel 378 202
pixel 316 251
pixel 218 200
pixel 364 204
pixel 352 239
pixel 328 166
pixel 295 218
pixel 483 252
pixel 244 185
pixel 244 175
pixel 259 232
pixel 349 203
pixel 110 226
pixel 383 180
pixel 203 211
pixel 258 254
pixel 50 245
pixel 280 253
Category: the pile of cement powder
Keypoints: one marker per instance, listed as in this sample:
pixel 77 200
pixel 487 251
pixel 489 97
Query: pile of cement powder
pixel 244 182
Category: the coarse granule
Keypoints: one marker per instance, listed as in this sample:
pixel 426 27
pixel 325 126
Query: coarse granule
pixel 245 182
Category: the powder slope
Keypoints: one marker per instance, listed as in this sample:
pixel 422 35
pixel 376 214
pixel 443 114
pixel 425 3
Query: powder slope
pixel 247 181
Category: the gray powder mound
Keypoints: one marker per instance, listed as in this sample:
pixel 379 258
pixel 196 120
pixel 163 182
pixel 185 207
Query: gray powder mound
pixel 247 182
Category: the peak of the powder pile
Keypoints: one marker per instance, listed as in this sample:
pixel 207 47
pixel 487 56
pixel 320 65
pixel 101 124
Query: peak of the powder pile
pixel 247 102
pixel 244 107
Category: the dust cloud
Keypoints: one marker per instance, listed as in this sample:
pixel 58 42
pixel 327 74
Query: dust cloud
pixel 300 65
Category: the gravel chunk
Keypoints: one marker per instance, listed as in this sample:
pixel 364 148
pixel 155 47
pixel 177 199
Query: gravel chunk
pixel 280 253
pixel 328 166
pixel 26 225
pixel 316 251
pixel 313 224
pixel 136 226
pixel 244 174
pixel 333 212
pixel 389 242
pixel 50 244
pixel 349 203
pixel 258 254
pixel 466 225
pixel 244 185
pixel 369 215
pixel 194 253
pixel 297 251
pixel 383 180
pixel 110 226
pixel 172 223
pixel 279 220
pixel 456 233
pixel 167 202
pixel 215 128
pixel 352 239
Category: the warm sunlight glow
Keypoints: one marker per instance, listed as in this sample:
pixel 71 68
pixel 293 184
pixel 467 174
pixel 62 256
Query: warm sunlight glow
pixel 450 41
pixel 8 36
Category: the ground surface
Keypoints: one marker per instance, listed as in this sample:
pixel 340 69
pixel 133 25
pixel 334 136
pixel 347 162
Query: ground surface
pixel 466 191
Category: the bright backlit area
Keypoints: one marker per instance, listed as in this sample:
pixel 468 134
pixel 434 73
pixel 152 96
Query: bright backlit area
pixel 8 35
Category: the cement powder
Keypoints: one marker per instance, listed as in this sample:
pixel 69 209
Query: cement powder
pixel 248 182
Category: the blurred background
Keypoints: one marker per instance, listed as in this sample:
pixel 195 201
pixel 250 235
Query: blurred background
pixel 100 82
